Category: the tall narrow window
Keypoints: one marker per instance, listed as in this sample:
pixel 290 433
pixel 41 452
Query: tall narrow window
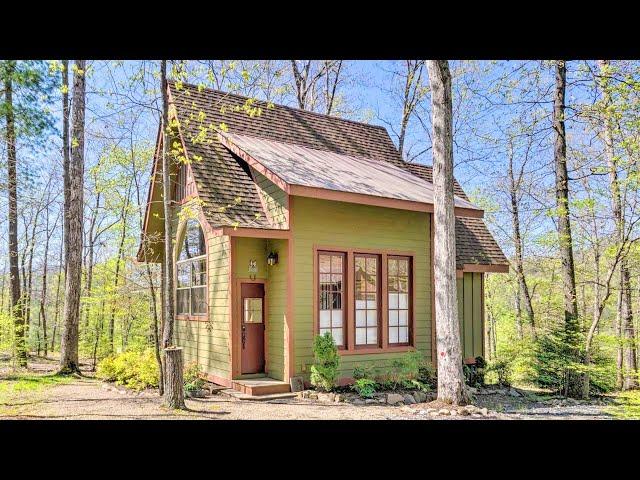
pixel 331 293
pixel 367 299
pixel 399 286
pixel 191 272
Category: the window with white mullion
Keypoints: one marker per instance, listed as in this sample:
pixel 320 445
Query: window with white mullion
pixel 367 295
pixel 191 272
pixel 331 292
pixel 399 304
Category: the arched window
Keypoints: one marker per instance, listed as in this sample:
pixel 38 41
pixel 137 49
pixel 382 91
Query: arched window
pixel 191 272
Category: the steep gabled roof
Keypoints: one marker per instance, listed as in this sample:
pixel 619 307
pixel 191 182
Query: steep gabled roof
pixel 224 180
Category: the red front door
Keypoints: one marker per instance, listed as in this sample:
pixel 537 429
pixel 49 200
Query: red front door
pixel 252 327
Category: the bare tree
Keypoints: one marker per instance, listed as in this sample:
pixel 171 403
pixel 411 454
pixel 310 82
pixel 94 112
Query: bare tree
pixel 69 346
pixel 12 179
pixel 451 387
pixel 173 388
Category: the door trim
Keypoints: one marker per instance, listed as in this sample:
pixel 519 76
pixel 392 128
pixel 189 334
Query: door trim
pixel 236 320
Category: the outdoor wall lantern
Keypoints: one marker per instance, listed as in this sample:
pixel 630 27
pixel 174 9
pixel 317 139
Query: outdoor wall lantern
pixel 272 259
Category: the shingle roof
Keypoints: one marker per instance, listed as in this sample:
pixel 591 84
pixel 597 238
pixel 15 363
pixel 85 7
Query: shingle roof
pixel 224 180
pixel 304 166
pixel 474 242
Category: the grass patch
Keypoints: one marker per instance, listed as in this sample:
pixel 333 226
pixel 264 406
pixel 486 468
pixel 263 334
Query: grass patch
pixel 16 385
pixel 627 405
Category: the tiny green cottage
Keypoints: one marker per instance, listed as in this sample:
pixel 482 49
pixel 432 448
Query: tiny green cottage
pixel 289 224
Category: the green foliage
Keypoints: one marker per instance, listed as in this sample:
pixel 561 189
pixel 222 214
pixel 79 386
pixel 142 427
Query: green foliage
pixel 365 387
pixel 404 370
pixel 324 371
pixel 364 371
pixel 502 370
pixel 135 370
pixel 474 374
pixel 192 379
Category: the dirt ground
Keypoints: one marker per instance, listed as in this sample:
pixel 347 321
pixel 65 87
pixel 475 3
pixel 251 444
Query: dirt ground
pixel 89 398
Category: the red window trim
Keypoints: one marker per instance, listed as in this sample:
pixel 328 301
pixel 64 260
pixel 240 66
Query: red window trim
pixel 378 258
pixel 408 343
pixel 349 320
pixel 344 255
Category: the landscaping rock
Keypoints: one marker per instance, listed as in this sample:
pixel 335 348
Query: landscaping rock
pixel 358 401
pixel 371 401
pixel 444 411
pixel 409 400
pixel 312 396
pixel 423 412
pixel 326 397
pixel 394 398
pixel 484 412
pixel 433 414
pixel 339 398
pixel 420 397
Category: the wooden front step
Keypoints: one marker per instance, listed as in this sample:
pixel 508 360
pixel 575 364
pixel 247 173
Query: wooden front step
pixel 260 386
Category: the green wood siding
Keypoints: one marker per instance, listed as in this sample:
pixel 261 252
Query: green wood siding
pixel 207 342
pixel 276 309
pixel 346 225
pixel 250 249
pixel 274 199
pixel 470 314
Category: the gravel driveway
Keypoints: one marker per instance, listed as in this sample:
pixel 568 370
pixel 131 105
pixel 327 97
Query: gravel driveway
pixel 88 398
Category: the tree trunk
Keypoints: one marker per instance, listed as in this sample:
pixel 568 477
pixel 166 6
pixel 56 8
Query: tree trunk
pixel 523 289
pixel 574 382
pixel 12 180
pixel 173 393
pixel 626 356
pixel 174 387
pixel 451 387
pixel 66 151
pixel 73 241
pixel 58 283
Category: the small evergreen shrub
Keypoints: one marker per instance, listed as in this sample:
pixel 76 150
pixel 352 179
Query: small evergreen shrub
pixel 363 371
pixel 135 370
pixel 365 387
pixel 325 370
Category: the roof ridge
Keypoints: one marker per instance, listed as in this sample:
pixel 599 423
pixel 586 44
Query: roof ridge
pixel 295 109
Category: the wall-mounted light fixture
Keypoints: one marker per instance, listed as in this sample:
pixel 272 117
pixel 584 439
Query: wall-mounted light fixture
pixel 272 259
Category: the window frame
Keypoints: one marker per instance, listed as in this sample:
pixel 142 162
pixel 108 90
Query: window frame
pixel 409 309
pixel 378 344
pixel 349 322
pixel 344 291
pixel 191 262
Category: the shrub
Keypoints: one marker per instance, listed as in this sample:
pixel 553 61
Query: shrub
pixel 474 374
pixel 558 363
pixel 502 369
pixel 405 370
pixel 324 371
pixel 366 371
pixel 136 370
pixel 365 387
pixel 192 380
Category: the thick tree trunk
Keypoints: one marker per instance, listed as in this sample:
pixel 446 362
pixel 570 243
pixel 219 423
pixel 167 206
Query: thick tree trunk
pixel 173 394
pixel 174 387
pixel 451 387
pixel 73 240
pixel 574 382
pixel 12 180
